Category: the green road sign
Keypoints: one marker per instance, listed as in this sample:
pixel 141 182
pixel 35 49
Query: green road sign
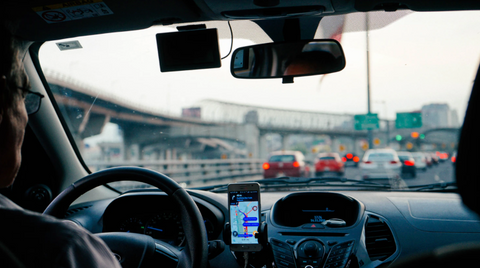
pixel 366 121
pixel 408 120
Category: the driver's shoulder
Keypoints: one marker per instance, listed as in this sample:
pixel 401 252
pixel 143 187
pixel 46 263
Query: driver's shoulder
pixel 34 225
pixel 56 242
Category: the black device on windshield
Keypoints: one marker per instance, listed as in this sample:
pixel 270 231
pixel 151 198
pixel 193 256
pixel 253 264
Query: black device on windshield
pixel 244 214
pixel 188 49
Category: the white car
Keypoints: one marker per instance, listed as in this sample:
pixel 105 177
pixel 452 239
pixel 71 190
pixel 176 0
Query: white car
pixel 380 164
pixel 420 161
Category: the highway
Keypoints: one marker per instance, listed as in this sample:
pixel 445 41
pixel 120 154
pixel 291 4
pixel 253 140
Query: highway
pixel 443 172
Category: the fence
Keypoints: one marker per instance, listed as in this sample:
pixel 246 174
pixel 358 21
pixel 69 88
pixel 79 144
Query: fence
pixel 189 171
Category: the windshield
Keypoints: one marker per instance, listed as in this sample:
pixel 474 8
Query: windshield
pixel 205 127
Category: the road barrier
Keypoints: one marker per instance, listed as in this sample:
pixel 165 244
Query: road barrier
pixel 188 171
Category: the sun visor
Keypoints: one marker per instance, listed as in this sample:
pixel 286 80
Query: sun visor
pixel 188 50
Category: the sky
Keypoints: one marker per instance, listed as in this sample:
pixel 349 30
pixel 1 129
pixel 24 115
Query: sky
pixel 419 59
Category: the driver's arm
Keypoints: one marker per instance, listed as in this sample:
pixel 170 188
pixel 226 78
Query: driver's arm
pixel 82 249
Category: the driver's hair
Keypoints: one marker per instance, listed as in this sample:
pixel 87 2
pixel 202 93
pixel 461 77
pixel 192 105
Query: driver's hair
pixel 10 66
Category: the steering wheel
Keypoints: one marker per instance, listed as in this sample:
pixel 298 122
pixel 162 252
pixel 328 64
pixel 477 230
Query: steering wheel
pixel 133 249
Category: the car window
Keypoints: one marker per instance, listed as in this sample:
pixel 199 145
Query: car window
pixel 282 158
pixel 327 158
pixel 380 157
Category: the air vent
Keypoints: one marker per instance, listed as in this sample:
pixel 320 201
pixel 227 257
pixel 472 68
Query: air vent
pixel 72 211
pixel 379 239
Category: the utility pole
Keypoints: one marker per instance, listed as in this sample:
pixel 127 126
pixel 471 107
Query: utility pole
pixel 370 133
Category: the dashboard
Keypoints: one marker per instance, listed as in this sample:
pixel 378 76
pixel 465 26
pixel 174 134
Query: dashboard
pixel 304 229
pixel 147 214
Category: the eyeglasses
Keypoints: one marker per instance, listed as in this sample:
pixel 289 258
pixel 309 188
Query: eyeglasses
pixel 32 102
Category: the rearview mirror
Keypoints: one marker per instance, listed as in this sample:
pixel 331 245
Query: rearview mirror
pixel 288 59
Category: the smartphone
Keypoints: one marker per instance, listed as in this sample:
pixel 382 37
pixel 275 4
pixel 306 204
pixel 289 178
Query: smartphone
pixel 244 208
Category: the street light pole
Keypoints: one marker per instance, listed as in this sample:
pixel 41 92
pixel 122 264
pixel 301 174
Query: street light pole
pixel 370 134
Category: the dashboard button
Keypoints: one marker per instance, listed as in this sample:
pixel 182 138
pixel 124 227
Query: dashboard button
pixel 278 243
pixel 337 258
pixel 344 245
pixel 291 242
pixel 313 226
pixel 283 256
pixel 303 261
pixel 339 251
pixel 282 250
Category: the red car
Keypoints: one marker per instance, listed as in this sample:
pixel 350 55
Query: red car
pixel 329 162
pixel 285 163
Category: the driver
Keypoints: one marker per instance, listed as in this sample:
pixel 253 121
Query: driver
pixel 33 239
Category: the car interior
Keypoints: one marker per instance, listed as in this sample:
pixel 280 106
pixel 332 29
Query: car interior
pixel 328 221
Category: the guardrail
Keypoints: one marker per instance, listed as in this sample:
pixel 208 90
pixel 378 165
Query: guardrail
pixel 188 171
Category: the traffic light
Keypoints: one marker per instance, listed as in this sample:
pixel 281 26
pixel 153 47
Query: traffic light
pixel 415 135
pixel 398 137
pixel 422 136
pixel 409 145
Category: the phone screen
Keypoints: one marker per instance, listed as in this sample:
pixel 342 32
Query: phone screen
pixel 244 216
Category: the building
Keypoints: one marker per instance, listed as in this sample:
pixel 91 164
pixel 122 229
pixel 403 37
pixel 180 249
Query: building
pixel 437 115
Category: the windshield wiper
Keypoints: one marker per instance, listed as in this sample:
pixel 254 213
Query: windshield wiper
pixel 293 181
pixel 434 186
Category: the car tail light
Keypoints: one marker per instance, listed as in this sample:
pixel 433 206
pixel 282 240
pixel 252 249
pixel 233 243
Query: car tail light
pixel 266 166
pixel 409 163
pixel 393 162
pixel 344 159
pixel 454 159
pixel 349 156
pixel 367 162
pixel 296 164
pixel 356 159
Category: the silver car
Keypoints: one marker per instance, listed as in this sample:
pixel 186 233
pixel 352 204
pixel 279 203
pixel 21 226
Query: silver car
pixel 420 160
pixel 380 164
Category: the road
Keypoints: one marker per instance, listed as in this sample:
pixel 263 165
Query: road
pixel 443 172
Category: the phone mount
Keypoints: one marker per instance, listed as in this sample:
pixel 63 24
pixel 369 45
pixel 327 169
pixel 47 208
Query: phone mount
pixel 262 234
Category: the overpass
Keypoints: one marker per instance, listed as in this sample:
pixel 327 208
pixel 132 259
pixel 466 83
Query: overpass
pixel 231 129
pixel 87 112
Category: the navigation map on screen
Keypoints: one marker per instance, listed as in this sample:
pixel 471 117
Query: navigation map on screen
pixel 244 216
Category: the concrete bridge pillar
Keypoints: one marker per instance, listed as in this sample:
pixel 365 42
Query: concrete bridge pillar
pixel 334 144
pixel 171 154
pixel 133 152
pixel 252 140
pixel 285 141
pixel 263 154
